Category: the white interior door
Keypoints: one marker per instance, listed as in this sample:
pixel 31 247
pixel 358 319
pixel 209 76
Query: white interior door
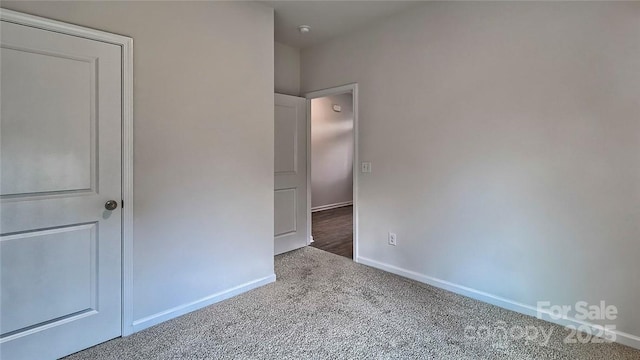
pixel 290 198
pixel 60 156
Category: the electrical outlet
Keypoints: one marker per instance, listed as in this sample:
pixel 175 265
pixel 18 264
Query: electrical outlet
pixel 366 167
pixel 392 239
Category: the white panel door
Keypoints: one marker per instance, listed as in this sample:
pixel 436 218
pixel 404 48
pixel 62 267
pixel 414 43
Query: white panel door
pixel 290 198
pixel 60 162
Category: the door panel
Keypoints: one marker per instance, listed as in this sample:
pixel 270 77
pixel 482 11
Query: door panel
pixel 290 164
pixel 60 161
pixel 64 89
pixel 286 131
pixel 32 271
pixel 285 214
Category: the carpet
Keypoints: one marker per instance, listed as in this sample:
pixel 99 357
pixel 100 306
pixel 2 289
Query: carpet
pixel 324 306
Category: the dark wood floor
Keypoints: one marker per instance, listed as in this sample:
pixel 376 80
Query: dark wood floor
pixel 333 231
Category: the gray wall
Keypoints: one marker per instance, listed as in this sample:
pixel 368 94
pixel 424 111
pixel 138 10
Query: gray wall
pixel 203 142
pixel 287 69
pixel 505 144
pixel 331 150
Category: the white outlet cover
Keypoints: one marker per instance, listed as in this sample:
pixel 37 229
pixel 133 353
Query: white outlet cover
pixel 392 239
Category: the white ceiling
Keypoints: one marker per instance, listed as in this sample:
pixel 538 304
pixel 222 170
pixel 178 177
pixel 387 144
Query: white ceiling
pixel 329 18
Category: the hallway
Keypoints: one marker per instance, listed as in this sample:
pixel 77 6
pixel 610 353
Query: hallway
pixel 333 231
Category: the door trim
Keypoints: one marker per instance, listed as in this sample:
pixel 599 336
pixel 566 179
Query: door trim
pixel 126 43
pixel 348 88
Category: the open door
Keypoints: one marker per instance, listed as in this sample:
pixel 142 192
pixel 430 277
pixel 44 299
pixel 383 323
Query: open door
pixel 290 197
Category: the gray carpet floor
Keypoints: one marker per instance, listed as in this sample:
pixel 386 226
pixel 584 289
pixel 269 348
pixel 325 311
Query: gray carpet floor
pixel 325 306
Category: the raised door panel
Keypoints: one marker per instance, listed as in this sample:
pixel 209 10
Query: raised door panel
pixel 47 96
pixel 56 266
pixel 285 212
pixel 286 139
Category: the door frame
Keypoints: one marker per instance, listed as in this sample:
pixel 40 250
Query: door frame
pixel 351 88
pixel 126 44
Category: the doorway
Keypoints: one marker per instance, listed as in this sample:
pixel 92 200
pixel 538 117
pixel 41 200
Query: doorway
pixel 332 154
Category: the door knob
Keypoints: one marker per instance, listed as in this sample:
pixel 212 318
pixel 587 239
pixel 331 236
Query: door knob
pixel 111 205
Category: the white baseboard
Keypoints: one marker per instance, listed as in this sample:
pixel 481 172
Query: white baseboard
pixel 331 206
pixel 198 304
pixel 621 337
